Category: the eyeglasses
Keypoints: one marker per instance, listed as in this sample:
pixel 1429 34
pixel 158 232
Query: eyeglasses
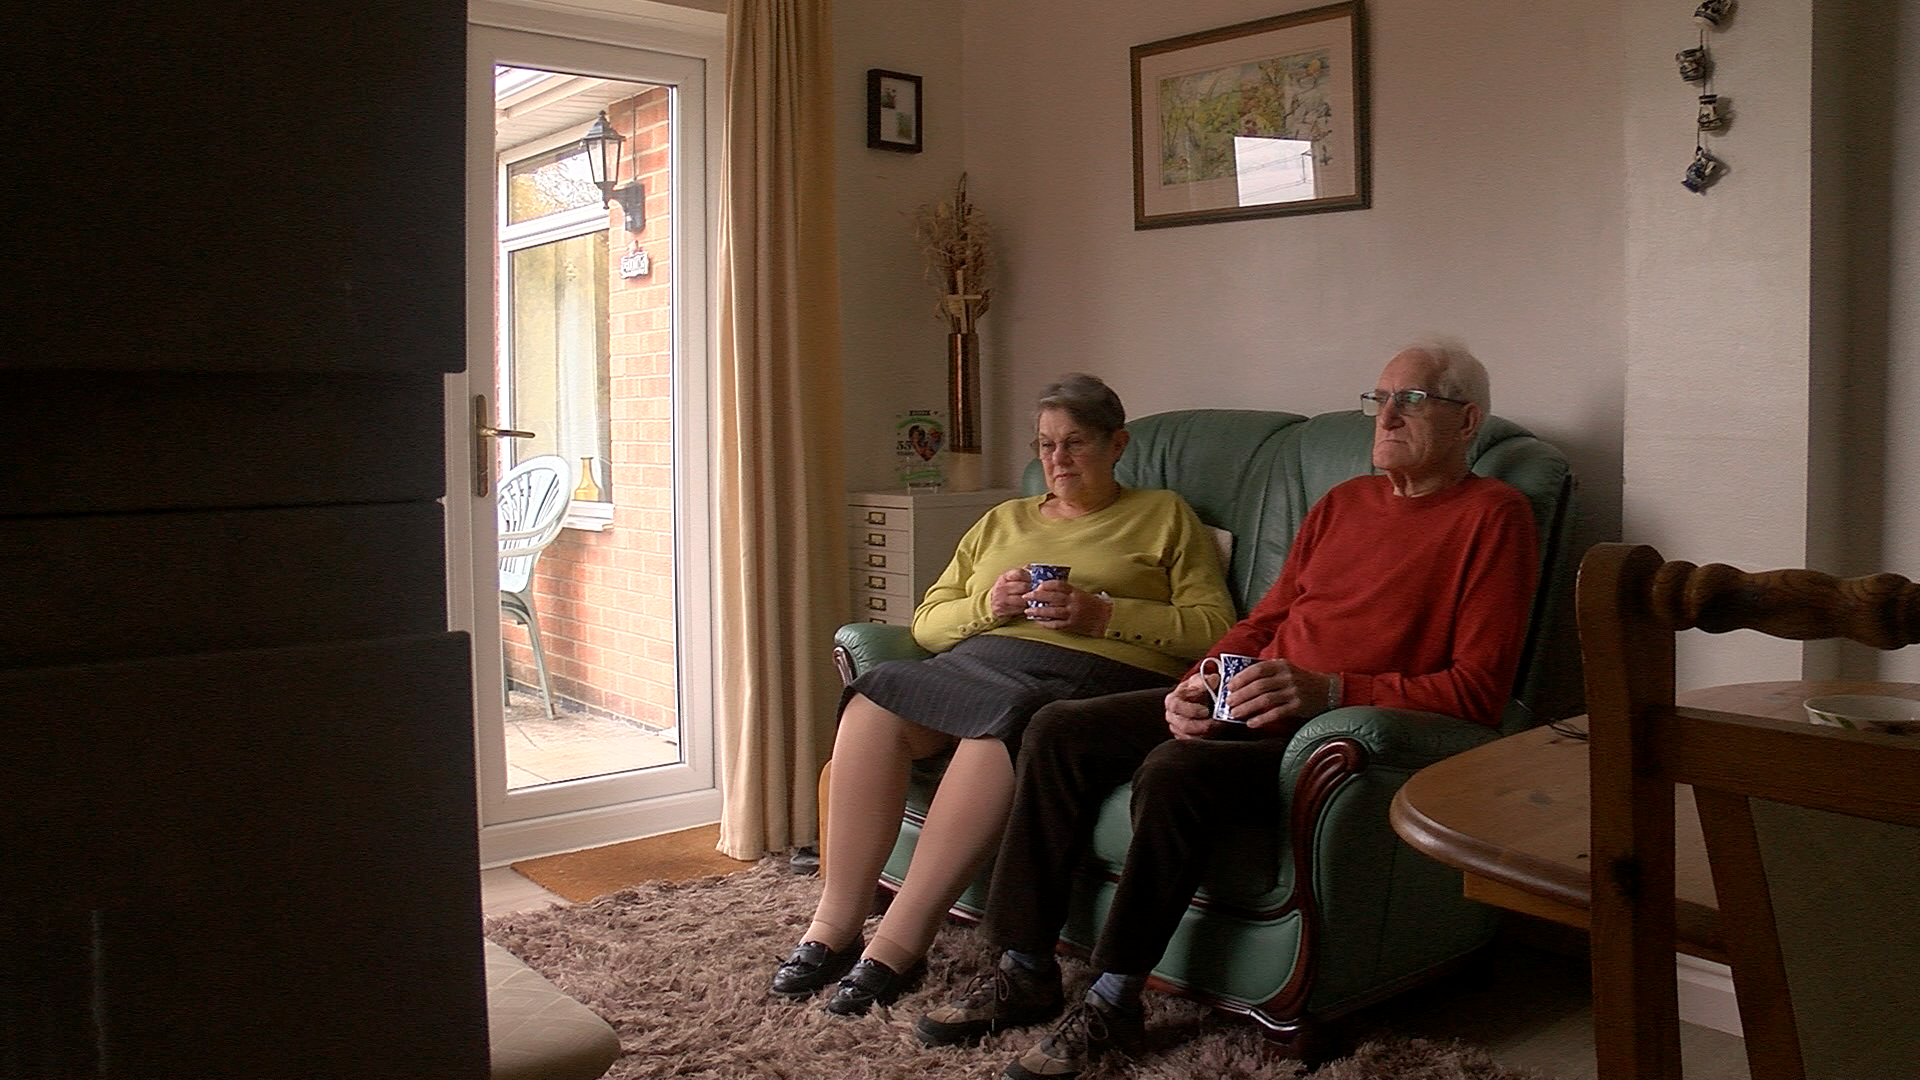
pixel 1411 402
pixel 1071 447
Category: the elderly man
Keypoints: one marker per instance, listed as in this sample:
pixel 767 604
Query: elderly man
pixel 1406 589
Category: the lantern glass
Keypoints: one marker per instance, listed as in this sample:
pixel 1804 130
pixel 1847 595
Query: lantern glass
pixel 602 145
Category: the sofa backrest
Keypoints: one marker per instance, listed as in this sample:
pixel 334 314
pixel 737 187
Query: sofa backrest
pixel 1256 474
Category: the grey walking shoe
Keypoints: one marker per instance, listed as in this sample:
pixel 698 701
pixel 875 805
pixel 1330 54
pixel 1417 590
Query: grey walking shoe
pixel 1008 996
pixel 1090 1031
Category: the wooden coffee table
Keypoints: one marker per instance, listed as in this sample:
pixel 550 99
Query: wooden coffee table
pixel 1513 815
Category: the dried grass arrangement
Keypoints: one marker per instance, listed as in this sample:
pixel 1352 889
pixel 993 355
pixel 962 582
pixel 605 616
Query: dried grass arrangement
pixel 959 250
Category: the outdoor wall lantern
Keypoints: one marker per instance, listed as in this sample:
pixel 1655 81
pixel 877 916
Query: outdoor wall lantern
pixel 602 147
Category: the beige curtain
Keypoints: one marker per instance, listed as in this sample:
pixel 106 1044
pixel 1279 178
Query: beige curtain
pixel 779 476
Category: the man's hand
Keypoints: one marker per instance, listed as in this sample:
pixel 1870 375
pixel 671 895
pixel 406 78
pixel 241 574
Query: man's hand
pixel 1276 695
pixel 1008 597
pixel 1190 709
pixel 1067 607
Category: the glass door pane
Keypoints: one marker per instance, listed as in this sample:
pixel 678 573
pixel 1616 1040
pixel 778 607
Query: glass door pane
pixel 584 341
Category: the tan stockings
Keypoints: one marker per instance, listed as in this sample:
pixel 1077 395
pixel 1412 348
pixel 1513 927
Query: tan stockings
pixel 872 753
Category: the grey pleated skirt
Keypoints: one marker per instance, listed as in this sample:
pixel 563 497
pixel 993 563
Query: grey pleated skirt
pixel 991 685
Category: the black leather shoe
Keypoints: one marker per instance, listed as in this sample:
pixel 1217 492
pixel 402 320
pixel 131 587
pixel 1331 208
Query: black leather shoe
pixel 811 967
pixel 872 983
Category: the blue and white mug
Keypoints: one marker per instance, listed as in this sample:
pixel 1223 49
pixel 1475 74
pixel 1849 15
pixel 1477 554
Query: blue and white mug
pixel 1038 572
pixel 1227 665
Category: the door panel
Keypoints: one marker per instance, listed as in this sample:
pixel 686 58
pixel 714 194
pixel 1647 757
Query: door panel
pixel 215 850
pixel 257 838
pixel 140 440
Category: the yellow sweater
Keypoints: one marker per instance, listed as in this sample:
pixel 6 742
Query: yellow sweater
pixel 1148 551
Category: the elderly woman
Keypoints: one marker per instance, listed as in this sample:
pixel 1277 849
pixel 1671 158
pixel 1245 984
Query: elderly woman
pixel 1144 599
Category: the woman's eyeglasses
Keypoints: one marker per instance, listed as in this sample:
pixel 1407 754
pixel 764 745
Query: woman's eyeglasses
pixel 1070 447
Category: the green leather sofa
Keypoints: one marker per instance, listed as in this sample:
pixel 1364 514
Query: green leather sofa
pixel 1337 911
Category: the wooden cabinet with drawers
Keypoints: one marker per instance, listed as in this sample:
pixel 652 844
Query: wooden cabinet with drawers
pixel 901 540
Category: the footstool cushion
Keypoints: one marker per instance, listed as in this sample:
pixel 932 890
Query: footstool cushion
pixel 536 1032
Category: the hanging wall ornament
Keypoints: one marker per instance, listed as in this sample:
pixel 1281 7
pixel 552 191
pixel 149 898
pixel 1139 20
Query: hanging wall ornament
pixel 1712 14
pixel 1710 114
pixel 1702 171
pixel 1713 113
pixel 1695 64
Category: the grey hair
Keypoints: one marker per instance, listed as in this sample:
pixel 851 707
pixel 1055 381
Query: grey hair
pixel 1090 402
pixel 1461 374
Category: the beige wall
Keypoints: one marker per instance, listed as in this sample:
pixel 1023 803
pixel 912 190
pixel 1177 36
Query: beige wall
pixel 892 345
pixel 1691 353
pixel 1719 360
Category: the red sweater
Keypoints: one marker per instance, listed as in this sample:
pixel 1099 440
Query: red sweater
pixel 1417 603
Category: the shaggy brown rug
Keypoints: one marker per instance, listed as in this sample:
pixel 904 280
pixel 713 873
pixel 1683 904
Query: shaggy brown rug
pixel 680 970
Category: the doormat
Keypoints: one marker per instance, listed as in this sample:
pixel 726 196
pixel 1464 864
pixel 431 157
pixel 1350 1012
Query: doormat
pixel 677 856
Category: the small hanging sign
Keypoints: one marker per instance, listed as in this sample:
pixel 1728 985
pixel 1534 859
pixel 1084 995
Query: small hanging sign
pixel 635 264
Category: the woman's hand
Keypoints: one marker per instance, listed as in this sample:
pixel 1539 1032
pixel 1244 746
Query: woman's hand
pixel 1008 597
pixel 1061 606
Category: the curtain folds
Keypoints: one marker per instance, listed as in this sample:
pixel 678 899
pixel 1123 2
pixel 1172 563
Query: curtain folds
pixel 779 477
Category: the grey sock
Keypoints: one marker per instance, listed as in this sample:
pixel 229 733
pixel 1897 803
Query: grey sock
pixel 1120 991
pixel 1038 963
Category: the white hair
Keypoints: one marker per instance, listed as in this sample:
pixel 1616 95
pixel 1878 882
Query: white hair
pixel 1461 374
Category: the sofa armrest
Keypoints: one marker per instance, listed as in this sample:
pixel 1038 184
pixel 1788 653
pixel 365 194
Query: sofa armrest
pixel 859 646
pixel 1400 740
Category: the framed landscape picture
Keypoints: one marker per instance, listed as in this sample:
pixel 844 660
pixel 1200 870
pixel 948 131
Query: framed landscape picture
pixel 1253 120
pixel 893 111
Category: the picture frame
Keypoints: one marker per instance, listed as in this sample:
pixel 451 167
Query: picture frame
pixel 893 111
pixel 1258 119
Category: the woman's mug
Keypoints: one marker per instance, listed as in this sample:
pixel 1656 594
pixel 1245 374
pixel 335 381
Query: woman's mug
pixel 1226 665
pixel 1038 572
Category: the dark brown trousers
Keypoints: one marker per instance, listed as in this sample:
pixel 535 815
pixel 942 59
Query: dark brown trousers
pixel 1184 794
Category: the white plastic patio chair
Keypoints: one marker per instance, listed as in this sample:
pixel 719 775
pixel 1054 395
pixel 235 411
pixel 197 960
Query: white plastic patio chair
pixel 532 503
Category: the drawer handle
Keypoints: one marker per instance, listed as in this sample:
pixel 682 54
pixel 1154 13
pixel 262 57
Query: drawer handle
pixel 875 581
pixel 878 562
pixel 876 539
pixel 876 517
pixel 876 603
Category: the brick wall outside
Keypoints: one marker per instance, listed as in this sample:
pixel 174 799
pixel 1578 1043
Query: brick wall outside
pixel 606 598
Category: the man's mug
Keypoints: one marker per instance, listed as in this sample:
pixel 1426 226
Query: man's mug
pixel 1227 665
pixel 1038 572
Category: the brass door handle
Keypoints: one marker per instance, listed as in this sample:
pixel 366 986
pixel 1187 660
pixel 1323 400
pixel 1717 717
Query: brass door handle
pixel 484 430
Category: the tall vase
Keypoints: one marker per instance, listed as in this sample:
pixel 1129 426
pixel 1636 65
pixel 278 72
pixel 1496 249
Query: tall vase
pixel 963 408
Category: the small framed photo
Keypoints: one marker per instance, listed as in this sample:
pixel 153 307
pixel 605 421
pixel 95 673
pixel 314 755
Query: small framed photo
pixel 893 111
pixel 1253 120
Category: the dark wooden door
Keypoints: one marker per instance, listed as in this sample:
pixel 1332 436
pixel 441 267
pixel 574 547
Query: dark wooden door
pixel 237 831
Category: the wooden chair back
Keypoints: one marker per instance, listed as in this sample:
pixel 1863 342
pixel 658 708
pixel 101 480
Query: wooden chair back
pixel 1812 833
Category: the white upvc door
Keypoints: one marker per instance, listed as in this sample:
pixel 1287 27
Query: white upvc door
pixel 522 816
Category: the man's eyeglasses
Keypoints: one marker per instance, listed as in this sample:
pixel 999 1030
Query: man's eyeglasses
pixel 1410 402
pixel 1072 447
